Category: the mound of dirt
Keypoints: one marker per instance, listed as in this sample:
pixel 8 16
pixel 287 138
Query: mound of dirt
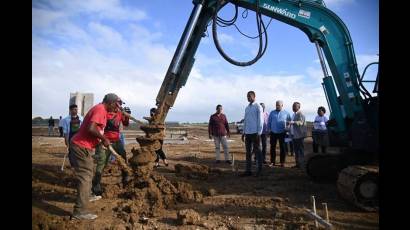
pixel 150 198
pixel 195 171
pixel 188 216
pixel 41 221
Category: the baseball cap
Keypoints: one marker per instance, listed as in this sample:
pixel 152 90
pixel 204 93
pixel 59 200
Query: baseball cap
pixel 110 98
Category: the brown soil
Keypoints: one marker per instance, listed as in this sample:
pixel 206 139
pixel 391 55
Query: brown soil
pixel 222 200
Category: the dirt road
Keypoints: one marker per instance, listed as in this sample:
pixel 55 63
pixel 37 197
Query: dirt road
pixel 273 201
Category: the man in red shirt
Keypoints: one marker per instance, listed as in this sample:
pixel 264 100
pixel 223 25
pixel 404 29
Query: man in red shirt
pixel 218 128
pixel 83 145
pixel 112 132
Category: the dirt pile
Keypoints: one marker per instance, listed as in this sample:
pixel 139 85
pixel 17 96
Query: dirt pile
pixel 195 171
pixel 188 216
pixel 150 198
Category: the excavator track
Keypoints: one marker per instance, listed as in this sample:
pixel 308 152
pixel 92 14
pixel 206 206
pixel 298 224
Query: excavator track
pixel 360 186
pixel 322 168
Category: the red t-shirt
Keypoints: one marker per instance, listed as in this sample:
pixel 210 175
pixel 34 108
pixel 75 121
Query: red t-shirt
pixel 112 129
pixel 83 137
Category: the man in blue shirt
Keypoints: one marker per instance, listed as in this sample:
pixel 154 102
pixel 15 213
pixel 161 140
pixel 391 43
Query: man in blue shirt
pixel 277 127
pixel 71 125
pixel 252 129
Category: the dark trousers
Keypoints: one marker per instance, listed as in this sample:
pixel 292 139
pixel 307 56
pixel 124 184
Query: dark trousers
pixel 252 142
pixel 102 157
pixel 319 138
pixel 160 153
pixel 84 173
pixel 290 148
pixel 71 155
pixel 299 151
pixel 263 140
pixel 273 139
pixel 60 129
pixel 316 148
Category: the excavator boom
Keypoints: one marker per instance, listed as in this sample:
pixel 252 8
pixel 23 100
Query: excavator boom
pixel 353 119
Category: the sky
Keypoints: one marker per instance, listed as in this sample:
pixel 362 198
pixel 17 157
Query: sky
pixel 125 47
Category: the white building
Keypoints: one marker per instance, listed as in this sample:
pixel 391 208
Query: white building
pixel 84 101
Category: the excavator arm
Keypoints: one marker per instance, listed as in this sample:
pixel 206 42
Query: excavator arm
pixel 353 119
pixel 322 26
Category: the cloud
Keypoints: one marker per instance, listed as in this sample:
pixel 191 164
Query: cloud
pixel 106 36
pixel 225 38
pixel 107 9
pixel 95 57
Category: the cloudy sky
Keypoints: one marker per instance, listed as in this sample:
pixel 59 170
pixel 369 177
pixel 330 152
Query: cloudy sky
pixel 126 47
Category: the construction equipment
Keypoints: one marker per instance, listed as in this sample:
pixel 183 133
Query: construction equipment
pixel 353 123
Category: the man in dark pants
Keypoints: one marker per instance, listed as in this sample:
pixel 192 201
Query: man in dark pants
pixel 252 129
pixel 112 132
pixel 277 126
pixel 83 146
pixel 60 126
pixel 50 126
pixel 298 132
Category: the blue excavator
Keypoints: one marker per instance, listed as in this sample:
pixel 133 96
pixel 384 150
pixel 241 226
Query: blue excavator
pixel 353 122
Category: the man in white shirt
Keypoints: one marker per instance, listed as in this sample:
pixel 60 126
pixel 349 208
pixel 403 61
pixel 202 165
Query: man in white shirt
pixel 252 130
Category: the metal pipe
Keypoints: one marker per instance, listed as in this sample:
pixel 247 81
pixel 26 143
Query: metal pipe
pixel 321 58
pixel 327 213
pixel 314 209
pixel 320 219
pixel 187 36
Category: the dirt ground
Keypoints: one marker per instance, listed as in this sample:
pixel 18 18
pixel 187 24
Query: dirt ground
pixel 276 200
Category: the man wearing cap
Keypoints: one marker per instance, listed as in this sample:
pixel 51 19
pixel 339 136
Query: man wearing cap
pixel 112 132
pixel 83 146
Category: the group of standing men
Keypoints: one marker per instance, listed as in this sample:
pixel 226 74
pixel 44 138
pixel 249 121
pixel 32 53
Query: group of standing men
pixel 258 125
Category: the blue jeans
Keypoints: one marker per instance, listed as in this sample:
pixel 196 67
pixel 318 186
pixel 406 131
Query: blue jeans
pixel 299 151
pixel 252 142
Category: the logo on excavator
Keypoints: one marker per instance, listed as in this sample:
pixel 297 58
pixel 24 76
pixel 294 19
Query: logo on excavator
pixel 278 10
pixel 304 14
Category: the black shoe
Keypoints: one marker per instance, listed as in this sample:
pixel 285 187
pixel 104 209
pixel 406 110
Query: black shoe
pixel 96 184
pixel 228 162
pixel 245 174
pixel 296 166
pixel 217 161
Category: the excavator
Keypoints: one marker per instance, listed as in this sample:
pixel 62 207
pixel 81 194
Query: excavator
pixel 353 121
